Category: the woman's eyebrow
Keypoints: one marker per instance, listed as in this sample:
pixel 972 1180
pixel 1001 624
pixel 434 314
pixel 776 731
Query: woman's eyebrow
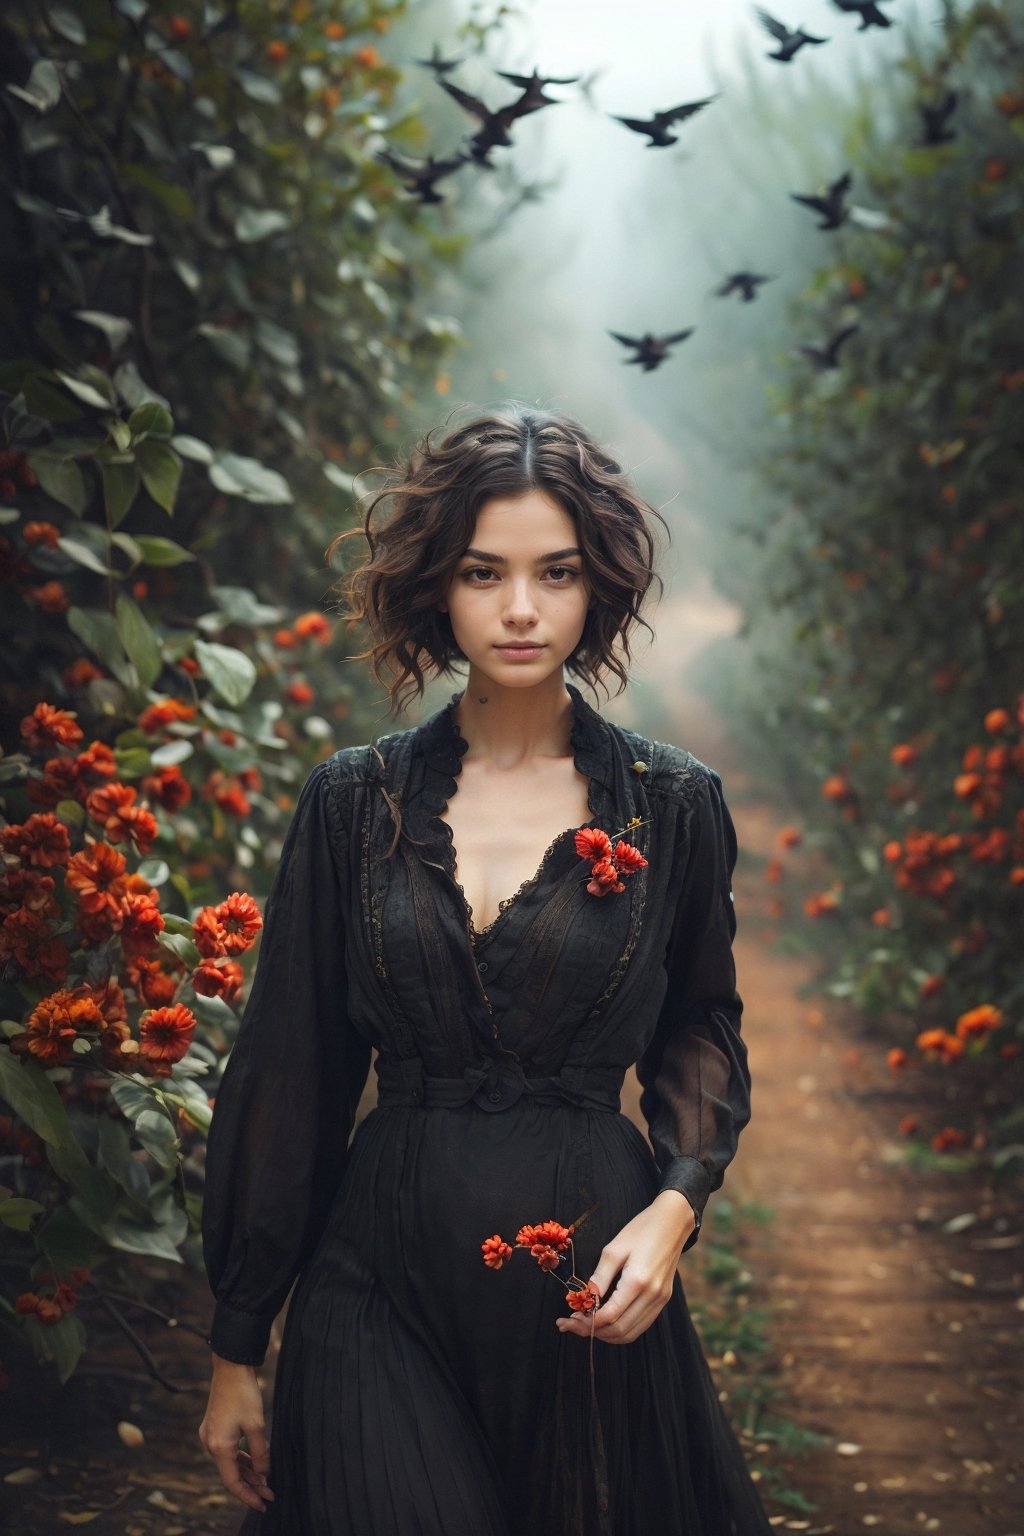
pixel 481 554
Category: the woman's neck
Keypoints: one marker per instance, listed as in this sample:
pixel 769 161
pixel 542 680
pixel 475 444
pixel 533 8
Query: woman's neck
pixel 511 725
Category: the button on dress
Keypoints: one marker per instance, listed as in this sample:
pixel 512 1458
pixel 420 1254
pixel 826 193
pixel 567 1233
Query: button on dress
pixel 418 1392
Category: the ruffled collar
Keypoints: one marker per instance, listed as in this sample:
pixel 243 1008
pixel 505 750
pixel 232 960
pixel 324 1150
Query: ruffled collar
pixel 443 747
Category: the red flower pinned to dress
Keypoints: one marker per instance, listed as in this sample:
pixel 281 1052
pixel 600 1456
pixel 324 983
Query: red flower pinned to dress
pixel 609 861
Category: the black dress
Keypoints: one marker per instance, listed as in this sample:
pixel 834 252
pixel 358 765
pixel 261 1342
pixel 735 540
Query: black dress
pixel 418 1392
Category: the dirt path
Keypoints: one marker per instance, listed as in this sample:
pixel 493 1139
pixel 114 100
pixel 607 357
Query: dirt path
pixel 900 1341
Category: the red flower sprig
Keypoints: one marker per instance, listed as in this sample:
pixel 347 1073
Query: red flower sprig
pixel 609 860
pixel 547 1243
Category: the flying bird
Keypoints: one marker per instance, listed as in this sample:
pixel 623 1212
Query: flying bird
pixel 789 42
pixel 651 350
pixel 870 15
pixel 831 206
pixel 438 64
pixel 657 126
pixel 494 126
pixel 420 176
pixel 532 86
pixel 936 117
pixel 826 355
pixel 745 283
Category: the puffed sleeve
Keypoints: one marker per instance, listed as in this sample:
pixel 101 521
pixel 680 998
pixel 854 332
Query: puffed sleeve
pixel 694 1074
pixel 287 1099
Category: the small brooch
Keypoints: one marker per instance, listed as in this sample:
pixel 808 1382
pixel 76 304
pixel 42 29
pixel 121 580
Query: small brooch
pixel 610 858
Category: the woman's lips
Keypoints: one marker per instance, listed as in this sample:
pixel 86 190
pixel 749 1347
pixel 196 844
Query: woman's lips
pixel 520 652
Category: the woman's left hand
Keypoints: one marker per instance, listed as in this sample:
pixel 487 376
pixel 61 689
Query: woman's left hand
pixel 644 1256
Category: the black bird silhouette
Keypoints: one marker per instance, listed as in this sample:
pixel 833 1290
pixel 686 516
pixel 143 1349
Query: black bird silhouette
pixel 658 125
pixel 438 64
pixel 827 354
pixel 651 350
pixel 870 15
pixel 494 126
pixel 421 175
pixel 789 42
pixel 831 205
pixel 532 86
pixel 746 283
pixel 936 117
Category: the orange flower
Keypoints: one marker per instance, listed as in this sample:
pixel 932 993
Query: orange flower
pixel 931 985
pixel 335 30
pixel 141 923
pixel 218 978
pixel 164 712
pixel 948 1137
pixel 585 1299
pixel 997 720
pixel 112 805
pixel 41 841
pixel 41 533
pixel 165 1034
pixel 26 938
pixel 938 1044
pixel 368 57
pixel 97 761
pixel 896 1059
pixel 836 787
pixel 592 843
pixel 908 1125
pixel 240 921
pixel 285 639
pixel 49 727
pixel 881 917
pixel 207 933
pixel 552 1233
pixel 97 876
pixel 168 787
pixel 978 1021
pixel 496 1252
pixel 299 692
pixel 903 755
pixel 546 1256
pixel 604 879
pixel 313 626
pixel 54 1024
pixel 789 837
pixel 628 859
pixel 277 51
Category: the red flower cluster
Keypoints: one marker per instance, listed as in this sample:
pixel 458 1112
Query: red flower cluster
pixel 51 1308
pixel 546 1242
pixel 609 861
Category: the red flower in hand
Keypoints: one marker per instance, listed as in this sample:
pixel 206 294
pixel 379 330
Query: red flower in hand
pixel 546 1256
pixel 584 1300
pixel 495 1252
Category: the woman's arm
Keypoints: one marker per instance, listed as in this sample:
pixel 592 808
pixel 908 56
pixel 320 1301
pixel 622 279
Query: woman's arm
pixel 694 1076
pixel 287 1099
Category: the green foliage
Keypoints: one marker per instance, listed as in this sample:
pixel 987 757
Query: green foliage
pixel 885 597
pixel 214 303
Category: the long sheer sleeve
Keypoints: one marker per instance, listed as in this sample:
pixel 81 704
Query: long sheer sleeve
pixel 694 1074
pixel 287 1099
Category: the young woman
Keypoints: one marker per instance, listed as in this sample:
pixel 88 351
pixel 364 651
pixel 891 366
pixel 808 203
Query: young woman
pixel 434 902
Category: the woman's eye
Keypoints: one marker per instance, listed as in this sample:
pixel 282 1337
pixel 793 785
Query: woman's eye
pixel 563 572
pixel 478 573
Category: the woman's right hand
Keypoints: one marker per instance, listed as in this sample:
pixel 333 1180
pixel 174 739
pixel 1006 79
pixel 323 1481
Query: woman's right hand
pixel 235 1408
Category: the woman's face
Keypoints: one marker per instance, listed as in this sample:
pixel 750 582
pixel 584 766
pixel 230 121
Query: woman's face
pixel 518 599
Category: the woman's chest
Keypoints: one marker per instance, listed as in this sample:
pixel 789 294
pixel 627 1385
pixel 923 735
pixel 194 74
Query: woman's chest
pixel 502 828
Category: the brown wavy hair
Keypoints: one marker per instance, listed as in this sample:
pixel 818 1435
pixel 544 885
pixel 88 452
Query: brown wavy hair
pixel 419 525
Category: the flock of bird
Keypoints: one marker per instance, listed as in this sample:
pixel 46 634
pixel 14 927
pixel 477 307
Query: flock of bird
pixel 650 350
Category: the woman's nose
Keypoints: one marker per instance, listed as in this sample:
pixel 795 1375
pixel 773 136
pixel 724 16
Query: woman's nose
pixel 520 604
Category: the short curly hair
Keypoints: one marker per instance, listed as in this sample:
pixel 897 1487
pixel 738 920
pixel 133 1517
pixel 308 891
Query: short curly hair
pixel 419 525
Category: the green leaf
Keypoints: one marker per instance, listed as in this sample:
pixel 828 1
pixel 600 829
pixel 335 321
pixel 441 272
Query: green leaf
pixel 229 345
pixel 252 224
pixel 161 472
pixel 158 1136
pixel 138 638
pixel 66 1340
pixel 84 556
pixel 237 475
pixel 131 1237
pixel 89 394
pixel 120 488
pixel 44 399
pixel 192 448
pixel 230 672
pixel 64 20
pixel 17 1212
pixel 67 1238
pixel 42 88
pixel 60 478
pixel 116 328
pixel 151 418
pixel 181 947
pixel 32 1095
pixel 115 1155
pixel 154 550
pixel 98 631
pixel 132 762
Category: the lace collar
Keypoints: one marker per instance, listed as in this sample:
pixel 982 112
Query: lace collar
pixel 443 747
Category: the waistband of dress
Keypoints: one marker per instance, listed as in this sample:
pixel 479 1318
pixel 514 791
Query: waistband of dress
pixel 494 1085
